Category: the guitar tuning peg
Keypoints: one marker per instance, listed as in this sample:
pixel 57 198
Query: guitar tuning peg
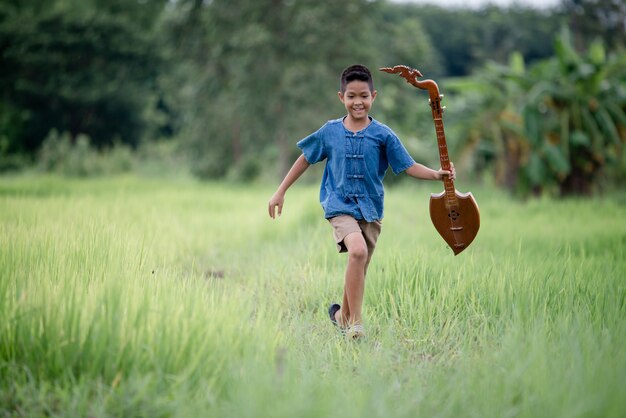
pixel 441 96
pixel 443 108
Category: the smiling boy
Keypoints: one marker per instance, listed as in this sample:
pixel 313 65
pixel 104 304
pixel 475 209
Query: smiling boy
pixel 358 150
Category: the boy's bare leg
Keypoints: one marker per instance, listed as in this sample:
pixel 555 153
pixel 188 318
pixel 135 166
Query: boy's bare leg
pixel 343 315
pixel 354 280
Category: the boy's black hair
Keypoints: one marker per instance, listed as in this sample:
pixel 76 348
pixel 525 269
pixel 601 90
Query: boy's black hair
pixel 356 72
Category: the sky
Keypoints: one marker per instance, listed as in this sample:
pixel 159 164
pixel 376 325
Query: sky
pixel 478 3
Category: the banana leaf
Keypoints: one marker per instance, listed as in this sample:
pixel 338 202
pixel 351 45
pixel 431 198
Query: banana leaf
pixel 607 125
pixel 556 160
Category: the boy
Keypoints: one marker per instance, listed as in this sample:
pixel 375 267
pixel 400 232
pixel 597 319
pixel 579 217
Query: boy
pixel 358 150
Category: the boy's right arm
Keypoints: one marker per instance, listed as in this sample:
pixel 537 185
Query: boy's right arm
pixel 294 173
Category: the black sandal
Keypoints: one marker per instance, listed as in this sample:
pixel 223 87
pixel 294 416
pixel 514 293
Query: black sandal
pixel 332 310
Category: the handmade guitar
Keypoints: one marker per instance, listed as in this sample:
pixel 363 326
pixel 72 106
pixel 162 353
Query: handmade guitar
pixel 454 214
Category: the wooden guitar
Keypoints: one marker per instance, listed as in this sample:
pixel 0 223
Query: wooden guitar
pixel 455 215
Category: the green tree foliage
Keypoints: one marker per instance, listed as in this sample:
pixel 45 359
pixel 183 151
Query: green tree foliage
pixel 236 82
pixel 82 72
pixel 466 38
pixel 597 19
pixel 557 127
pixel 401 39
pixel 260 68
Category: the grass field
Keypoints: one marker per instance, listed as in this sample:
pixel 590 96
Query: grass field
pixel 129 297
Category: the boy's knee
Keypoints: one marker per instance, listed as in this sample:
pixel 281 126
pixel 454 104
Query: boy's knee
pixel 358 253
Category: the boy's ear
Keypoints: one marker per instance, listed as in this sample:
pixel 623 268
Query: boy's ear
pixel 374 93
pixel 340 94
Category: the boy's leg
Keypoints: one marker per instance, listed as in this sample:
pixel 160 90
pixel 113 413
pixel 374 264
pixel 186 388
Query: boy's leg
pixel 371 232
pixel 358 239
pixel 355 278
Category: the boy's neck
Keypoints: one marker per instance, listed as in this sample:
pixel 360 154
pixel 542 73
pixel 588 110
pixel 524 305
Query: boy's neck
pixel 356 125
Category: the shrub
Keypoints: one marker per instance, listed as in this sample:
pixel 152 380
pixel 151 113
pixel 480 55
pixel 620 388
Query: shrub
pixel 77 157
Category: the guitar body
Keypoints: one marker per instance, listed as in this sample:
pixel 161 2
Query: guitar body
pixel 457 222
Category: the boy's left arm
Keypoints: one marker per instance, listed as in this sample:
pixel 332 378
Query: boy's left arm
pixel 420 171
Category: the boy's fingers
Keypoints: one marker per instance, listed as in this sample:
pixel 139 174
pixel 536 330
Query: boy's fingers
pixel 277 208
pixel 272 209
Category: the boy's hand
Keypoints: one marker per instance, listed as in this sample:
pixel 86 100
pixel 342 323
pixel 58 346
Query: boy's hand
pixel 445 173
pixel 277 200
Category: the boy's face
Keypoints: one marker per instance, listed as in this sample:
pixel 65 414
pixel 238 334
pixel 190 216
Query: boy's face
pixel 357 99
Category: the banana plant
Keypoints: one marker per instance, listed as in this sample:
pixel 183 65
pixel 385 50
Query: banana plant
pixel 575 117
pixel 559 126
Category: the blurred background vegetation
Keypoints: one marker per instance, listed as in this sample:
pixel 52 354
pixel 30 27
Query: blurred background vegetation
pixel 222 89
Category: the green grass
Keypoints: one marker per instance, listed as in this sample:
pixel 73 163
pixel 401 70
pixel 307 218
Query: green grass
pixel 134 297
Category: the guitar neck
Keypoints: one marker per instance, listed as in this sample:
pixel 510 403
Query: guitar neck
pixel 443 148
pixel 441 142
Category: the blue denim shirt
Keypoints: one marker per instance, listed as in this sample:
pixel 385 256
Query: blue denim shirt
pixel 356 164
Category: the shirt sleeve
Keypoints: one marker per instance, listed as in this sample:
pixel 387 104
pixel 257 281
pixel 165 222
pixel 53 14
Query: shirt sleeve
pixel 313 147
pixel 397 155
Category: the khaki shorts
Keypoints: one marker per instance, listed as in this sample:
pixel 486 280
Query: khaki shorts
pixel 345 224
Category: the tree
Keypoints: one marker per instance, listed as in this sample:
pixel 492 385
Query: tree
pixel 557 127
pixel 597 19
pixel 262 72
pixel 490 33
pixel 74 71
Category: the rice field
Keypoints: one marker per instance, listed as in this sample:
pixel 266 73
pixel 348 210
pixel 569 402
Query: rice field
pixel 134 297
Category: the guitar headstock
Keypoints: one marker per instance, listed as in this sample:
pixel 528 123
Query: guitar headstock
pixel 411 76
pixel 435 105
pixel 405 72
